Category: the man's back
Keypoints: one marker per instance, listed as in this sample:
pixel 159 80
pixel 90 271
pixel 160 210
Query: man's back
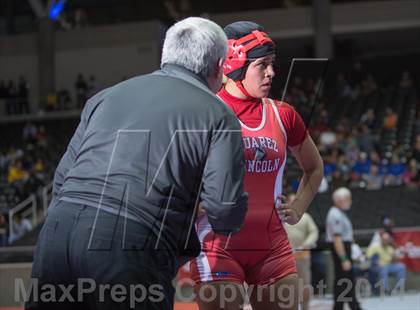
pixel 145 157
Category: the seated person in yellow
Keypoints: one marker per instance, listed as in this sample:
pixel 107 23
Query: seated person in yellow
pixel 16 173
pixel 384 254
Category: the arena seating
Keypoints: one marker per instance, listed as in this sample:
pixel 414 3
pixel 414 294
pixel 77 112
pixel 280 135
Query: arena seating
pixel 384 90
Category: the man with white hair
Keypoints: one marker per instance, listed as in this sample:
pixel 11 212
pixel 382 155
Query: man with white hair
pixel 339 232
pixel 126 191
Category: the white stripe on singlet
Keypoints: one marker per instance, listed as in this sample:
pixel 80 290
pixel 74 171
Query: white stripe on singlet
pixel 279 178
pixel 260 126
pixel 276 111
pixel 264 117
pixel 203 265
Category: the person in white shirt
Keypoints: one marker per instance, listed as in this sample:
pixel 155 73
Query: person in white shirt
pixel 303 236
pixel 21 226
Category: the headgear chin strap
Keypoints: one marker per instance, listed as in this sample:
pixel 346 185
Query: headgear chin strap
pixel 237 55
pixel 241 87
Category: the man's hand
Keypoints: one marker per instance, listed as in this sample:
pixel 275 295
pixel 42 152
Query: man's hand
pixel 200 210
pixel 346 265
pixel 287 212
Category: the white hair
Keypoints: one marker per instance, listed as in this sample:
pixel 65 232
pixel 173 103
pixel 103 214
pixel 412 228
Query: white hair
pixel 341 193
pixel 195 43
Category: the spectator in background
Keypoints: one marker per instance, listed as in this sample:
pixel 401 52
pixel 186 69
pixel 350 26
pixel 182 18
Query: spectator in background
pixel 38 171
pixel 374 180
pixel 411 176
pixel 23 96
pixel 178 9
pixel 417 123
pixel 80 18
pixel 81 90
pixel 12 200
pixel 337 180
pixel 16 173
pixel 390 119
pixel 369 85
pixel 22 170
pixel 21 226
pixel 416 149
pixel 406 82
pixel 51 101
pixel 395 172
pixel 63 21
pixel 42 138
pixel 368 118
pixel 3 230
pixel 345 167
pixel 376 160
pixel 3 164
pixel 362 166
pixel 63 99
pixel 310 88
pixel 388 225
pixel 352 151
pixel 366 140
pixel 11 97
pixel 296 94
pixel 323 187
pixel 357 73
pixel 330 165
pixel 374 157
pixel 328 138
pixel 321 122
pixel 29 133
pixel 384 259
pixel 3 203
pixel 15 154
pixel 3 96
pixel 344 89
pixel 303 237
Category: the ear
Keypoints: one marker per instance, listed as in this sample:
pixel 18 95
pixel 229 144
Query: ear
pixel 225 79
pixel 220 64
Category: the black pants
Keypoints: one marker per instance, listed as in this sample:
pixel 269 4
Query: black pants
pixel 111 268
pixel 344 283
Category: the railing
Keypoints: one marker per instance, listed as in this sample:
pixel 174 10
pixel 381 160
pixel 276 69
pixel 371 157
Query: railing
pixel 29 208
pixel 46 197
pixel 32 210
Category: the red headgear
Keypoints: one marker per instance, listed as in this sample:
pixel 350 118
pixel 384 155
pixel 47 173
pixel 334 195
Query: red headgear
pixel 237 55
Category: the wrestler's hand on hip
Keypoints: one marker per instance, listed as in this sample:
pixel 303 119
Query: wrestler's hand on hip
pixel 287 212
pixel 346 265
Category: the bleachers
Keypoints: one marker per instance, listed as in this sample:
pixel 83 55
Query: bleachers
pixel 388 93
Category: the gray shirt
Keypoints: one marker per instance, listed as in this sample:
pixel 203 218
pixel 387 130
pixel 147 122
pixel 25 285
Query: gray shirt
pixel 149 148
pixel 338 223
